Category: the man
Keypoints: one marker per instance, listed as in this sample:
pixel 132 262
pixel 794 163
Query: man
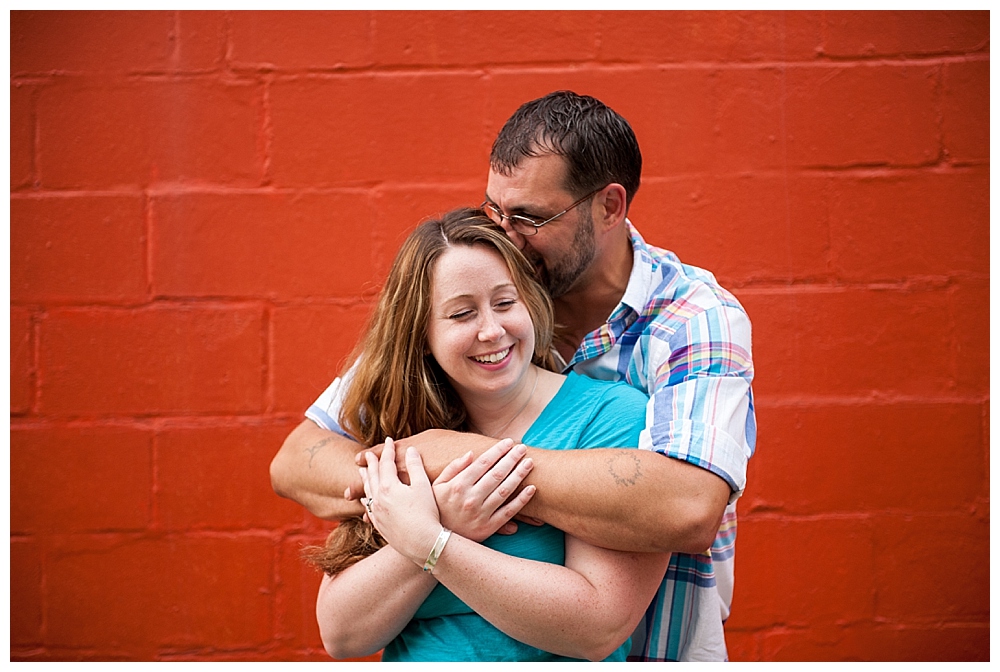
pixel 563 171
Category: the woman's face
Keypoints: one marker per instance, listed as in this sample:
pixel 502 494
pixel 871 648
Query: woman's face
pixel 479 330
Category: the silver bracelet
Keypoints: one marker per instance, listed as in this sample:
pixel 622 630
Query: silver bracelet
pixel 435 553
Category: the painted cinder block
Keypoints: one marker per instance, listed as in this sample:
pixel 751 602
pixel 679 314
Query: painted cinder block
pixel 744 228
pixel 98 133
pixel 970 308
pixel 862 115
pixel 216 478
pixel 301 40
pixel 155 360
pixel 741 645
pixel 823 569
pixel 875 456
pixel 676 135
pixel 888 642
pixel 686 36
pixel 296 588
pixel 965 103
pixel 78 479
pixel 164 594
pixel 22 135
pixel 310 347
pixel 90 41
pixel 904 33
pixel 461 38
pixel 399 126
pixel 25 593
pixel 899 226
pixel 750 118
pixel 78 249
pixel 201 41
pixel 277 245
pixel 400 207
pixel 850 341
pixel 933 567
pixel 22 361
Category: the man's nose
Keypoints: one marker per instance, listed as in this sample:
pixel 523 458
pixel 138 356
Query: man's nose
pixel 515 237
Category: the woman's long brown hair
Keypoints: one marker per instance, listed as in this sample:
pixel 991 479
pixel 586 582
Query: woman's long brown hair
pixel 397 388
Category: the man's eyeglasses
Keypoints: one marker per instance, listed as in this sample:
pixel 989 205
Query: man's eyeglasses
pixel 527 226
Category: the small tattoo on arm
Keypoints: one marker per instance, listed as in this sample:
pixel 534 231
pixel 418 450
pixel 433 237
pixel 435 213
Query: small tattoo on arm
pixel 312 450
pixel 625 468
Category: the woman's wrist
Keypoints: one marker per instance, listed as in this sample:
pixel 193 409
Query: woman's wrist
pixel 419 543
pixel 437 549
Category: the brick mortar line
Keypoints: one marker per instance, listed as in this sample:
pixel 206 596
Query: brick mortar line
pixel 874 399
pixel 236 71
pixel 747 514
pixel 154 423
pixel 220 302
pixel 214 420
pixel 161 190
pixel 910 284
pixel 917 621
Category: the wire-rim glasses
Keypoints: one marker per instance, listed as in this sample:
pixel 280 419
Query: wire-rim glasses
pixel 527 226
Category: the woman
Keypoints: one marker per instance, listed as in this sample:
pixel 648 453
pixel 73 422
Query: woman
pixel 461 340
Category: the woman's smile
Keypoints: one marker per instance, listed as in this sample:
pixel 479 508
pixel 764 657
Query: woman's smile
pixel 479 331
pixel 493 358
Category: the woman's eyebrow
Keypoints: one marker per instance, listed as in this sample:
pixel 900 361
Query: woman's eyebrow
pixel 496 288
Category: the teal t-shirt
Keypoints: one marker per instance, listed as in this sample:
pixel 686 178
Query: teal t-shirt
pixel 585 413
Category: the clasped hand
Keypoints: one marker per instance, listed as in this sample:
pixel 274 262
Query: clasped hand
pixel 471 497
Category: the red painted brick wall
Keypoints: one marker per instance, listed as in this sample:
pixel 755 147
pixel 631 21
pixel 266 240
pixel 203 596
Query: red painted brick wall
pixel 201 203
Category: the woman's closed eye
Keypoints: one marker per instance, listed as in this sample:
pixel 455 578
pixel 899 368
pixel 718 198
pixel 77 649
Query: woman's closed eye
pixel 461 315
pixel 505 304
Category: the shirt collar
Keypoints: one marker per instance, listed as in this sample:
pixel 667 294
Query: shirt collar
pixel 637 290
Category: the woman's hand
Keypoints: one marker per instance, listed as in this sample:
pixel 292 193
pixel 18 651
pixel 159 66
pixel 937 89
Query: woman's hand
pixel 405 515
pixel 472 495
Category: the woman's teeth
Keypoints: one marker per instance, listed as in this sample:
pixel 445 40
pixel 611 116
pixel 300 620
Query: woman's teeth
pixel 494 358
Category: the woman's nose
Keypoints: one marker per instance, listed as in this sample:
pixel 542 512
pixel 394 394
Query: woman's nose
pixel 491 329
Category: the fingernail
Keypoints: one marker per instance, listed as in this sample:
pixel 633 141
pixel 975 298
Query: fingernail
pixel 528 464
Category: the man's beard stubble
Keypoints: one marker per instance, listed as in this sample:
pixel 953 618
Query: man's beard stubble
pixel 560 277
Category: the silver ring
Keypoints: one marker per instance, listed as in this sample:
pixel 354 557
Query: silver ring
pixel 368 504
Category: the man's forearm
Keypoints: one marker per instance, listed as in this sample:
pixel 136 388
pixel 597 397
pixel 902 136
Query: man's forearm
pixel 622 499
pixel 314 467
pixel 627 499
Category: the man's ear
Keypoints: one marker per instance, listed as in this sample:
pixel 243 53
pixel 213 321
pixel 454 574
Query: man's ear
pixel 611 207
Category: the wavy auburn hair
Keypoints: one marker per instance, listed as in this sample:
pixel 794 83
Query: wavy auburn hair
pixel 397 388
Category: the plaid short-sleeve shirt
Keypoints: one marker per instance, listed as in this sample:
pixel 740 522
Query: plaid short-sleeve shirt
pixel 685 341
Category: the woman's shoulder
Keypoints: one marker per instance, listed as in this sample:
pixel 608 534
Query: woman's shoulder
pixel 609 390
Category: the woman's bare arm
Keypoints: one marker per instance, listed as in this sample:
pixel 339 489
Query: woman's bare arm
pixel 585 609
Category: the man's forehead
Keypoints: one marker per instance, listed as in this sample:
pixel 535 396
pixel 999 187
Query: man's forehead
pixel 534 178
